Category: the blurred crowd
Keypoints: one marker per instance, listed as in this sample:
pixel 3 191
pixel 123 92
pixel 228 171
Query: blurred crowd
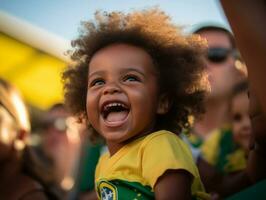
pixel 46 154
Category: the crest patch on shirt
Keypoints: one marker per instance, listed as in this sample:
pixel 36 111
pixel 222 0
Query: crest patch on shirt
pixel 106 190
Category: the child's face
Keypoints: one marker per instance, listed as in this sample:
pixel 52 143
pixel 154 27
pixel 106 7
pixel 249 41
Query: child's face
pixel 241 121
pixel 122 93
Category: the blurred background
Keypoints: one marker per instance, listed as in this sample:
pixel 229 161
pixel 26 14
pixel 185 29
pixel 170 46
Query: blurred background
pixel 36 34
pixel 34 38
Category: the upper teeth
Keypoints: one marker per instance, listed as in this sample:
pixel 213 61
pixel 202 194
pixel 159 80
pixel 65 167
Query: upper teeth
pixel 114 104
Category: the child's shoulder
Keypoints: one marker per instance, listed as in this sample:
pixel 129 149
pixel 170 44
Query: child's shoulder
pixel 161 136
pixel 162 142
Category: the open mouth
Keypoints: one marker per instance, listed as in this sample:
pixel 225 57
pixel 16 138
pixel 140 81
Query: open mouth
pixel 115 112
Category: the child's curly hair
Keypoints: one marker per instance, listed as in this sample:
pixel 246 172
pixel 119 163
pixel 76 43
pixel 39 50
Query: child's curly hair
pixel 179 60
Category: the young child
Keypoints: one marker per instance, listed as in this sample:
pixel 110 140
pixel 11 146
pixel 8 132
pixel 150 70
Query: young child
pixel 241 128
pixel 136 80
pixel 241 123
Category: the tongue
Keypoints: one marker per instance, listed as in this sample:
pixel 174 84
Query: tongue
pixel 116 116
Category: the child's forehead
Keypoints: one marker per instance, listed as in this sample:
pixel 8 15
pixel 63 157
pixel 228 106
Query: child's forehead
pixel 120 54
pixel 239 97
pixel 121 47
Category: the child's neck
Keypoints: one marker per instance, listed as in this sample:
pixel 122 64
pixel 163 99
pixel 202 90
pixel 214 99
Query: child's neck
pixel 114 147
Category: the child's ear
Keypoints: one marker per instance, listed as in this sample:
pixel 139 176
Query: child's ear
pixel 163 104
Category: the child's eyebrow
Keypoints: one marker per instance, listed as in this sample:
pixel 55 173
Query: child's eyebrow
pixel 96 73
pixel 124 71
pixel 133 70
pixel 155 73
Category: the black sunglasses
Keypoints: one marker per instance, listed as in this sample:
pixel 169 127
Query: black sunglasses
pixel 219 54
pixel 57 123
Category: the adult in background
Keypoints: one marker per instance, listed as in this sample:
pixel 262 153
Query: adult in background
pixel 212 132
pixel 16 180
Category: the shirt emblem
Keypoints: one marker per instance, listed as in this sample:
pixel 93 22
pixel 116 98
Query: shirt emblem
pixel 106 190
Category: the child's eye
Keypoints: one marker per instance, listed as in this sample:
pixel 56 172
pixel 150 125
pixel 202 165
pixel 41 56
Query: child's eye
pixel 97 82
pixel 237 117
pixel 131 78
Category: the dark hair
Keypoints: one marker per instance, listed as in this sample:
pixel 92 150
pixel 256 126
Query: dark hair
pixel 179 60
pixel 209 27
pixel 240 87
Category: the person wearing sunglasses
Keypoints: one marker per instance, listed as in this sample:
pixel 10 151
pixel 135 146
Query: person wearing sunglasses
pixel 220 59
pixel 212 130
pixel 218 55
pixel 55 143
pixel 211 135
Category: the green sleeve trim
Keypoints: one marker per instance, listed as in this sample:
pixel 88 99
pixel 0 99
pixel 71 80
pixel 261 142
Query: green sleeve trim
pixel 120 189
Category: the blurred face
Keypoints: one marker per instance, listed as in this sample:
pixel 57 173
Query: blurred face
pixel 54 137
pixel 240 120
pixel 122 93
pixel 222 73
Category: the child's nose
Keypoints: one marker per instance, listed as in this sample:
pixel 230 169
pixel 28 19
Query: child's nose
pixel 111 89
pixel 246 123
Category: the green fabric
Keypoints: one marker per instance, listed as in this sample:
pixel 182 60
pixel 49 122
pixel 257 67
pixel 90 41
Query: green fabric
pixel 237 161
pixel 91 157
pixel 227 146
pixel 256 192
pixel 119 189
pixel 195 141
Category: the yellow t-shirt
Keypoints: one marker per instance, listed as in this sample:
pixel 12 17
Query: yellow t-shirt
pixel 138 165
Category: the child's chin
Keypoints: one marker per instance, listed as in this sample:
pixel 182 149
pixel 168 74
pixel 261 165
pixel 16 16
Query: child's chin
pixel 115 137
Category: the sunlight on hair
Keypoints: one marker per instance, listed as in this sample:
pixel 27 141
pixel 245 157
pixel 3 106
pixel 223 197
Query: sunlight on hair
pixel 21 111
pixel 191 120
pixel 7 127
pixel 203 82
